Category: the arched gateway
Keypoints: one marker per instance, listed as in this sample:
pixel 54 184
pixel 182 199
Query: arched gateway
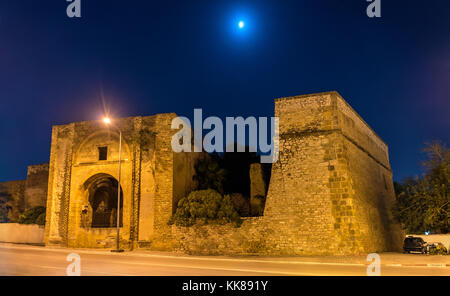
pixel 84 169
pixel 102 208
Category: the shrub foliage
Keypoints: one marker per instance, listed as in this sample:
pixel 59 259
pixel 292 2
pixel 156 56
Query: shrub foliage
pixel 438 250
pixel 206 206
pixel 34 215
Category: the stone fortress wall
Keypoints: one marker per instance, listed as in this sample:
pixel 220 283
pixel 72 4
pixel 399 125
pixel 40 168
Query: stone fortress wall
pixel 329 193
pixel 148 181
pixel 36 186
pixel 26 194
pixel 12 199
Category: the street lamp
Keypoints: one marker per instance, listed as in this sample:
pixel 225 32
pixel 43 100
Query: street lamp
pixel 107 121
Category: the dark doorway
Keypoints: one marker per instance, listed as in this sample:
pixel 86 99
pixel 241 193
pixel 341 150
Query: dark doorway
pixel 103 200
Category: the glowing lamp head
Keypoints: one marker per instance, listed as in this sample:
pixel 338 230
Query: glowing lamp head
pixel 241 24
pixel 107 120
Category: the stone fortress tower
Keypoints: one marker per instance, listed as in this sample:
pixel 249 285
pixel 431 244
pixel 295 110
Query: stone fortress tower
pixel 330 191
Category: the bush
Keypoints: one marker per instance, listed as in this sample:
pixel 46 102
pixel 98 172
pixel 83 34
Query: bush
pixel 438 250
pixel 41 219
pixel 33 216
pixel 208 206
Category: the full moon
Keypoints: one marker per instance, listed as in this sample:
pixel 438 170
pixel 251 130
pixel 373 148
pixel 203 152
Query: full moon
pixel 241 24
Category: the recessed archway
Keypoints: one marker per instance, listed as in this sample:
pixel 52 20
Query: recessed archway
pixel 102 190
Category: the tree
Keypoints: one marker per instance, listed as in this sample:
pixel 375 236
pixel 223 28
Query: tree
pixel 209 173
pixel 423 204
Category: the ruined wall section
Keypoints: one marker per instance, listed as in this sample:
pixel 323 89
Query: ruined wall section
pixel 12 202
pixel 165 178
pixel 36 186
pixel 22 195
pixel 58 195
pixel 164 165
pixel 251 238
pixel 147 190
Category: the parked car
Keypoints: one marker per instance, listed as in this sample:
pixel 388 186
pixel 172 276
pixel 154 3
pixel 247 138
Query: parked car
pixel 414 244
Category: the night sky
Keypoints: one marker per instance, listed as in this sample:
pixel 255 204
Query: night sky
pixel 147 57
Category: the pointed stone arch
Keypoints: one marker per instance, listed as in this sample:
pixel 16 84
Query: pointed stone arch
pixel 102 196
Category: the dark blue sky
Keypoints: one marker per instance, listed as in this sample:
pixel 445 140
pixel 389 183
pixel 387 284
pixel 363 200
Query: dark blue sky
pixel 171 56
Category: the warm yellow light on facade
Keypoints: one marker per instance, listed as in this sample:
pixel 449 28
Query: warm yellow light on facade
pixel 107 120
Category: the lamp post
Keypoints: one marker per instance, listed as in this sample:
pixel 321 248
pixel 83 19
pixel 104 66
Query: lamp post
pixel 107 121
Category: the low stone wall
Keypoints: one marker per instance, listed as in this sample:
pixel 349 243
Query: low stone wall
pixel 227 239
pixel 21 233
pixel 436 238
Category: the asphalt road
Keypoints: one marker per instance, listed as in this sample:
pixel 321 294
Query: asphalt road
pixel 33 261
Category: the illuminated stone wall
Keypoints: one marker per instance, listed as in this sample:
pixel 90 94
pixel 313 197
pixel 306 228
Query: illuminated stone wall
pixel 12 199
pixel 22 195
pixel 36 186
pixel 147 182
pixel 330 191
pixel 333 180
